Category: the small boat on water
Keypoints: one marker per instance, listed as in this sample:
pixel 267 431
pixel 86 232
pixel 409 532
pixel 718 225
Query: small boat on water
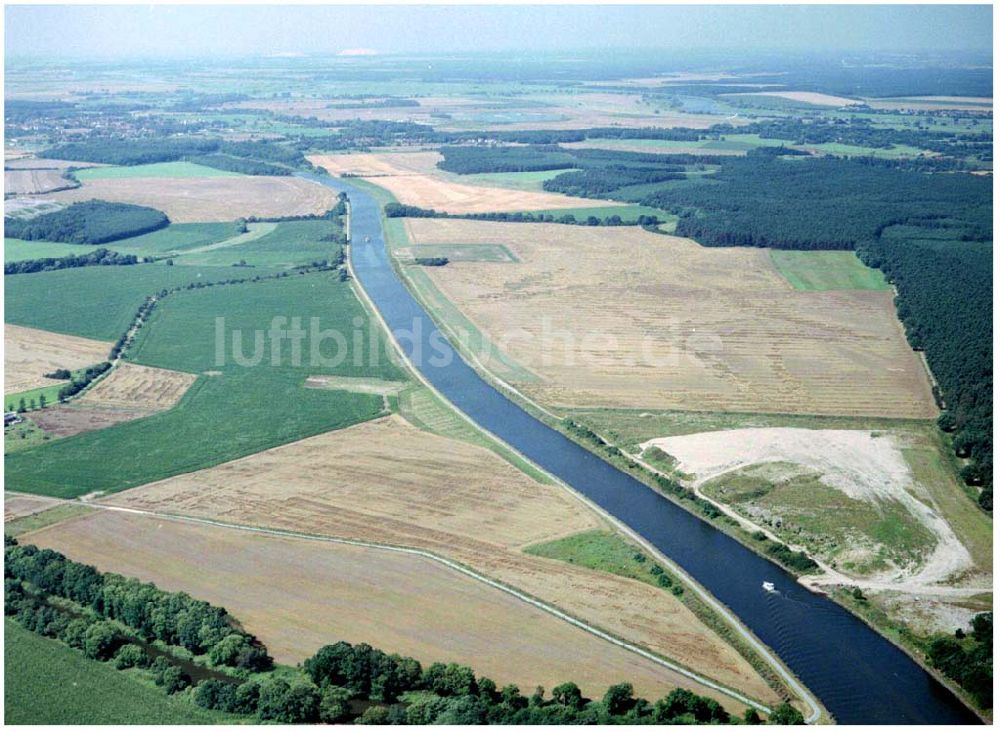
pixel 769 586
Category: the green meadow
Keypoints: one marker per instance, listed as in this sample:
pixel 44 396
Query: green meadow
pixel 827 270
pixel 96 302
pixel 242 408
pixel 284 245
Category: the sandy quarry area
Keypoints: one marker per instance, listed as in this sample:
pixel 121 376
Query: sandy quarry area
pixel 29 353
pixel 388 482
pixel 863 466
pixel 187 200
pixel 823 100
pixel 298 595
pixel 621 317
pixel 414 180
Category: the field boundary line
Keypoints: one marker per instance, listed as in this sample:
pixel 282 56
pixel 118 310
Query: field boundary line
pixel 798 688
pixel 456 566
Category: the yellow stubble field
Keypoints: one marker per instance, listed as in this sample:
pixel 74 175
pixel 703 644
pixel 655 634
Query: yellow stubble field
pixel 621 317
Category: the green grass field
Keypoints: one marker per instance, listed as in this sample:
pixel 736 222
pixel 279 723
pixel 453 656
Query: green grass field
pixel 174 238
pixel 47 682
pixel 283 245
pixel 233 411
pixel 601 550
pixel 526 181
pixel 17 250
pixel 177 169
pixel 822 270
pixel 626 211
pixel 95 302
pixel 467 252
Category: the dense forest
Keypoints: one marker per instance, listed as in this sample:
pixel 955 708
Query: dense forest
pixel 96 258
pixel 88 222
pixel 116 619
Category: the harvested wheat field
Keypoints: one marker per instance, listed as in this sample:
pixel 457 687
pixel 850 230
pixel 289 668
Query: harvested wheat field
pixel 388 482
pixel 298 595
pixel 24 182
pixel 132 386
pixel 412 179
pixel 187 200
pixel 31 162
pixel 621 317
pixel 30 353
pixel 822 100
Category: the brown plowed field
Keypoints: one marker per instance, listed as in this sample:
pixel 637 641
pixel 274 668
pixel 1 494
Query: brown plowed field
pixel 298 595
pixel 386 481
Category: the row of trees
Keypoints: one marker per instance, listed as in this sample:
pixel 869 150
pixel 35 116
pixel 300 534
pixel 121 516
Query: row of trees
pixel 152 614
pixel 75 386
pixel 145 150
pixel 399 210
pixel 97 258
pixel 113 619
pixel 88 222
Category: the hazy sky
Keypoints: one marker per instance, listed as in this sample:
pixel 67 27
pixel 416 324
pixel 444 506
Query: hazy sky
pixel 150 30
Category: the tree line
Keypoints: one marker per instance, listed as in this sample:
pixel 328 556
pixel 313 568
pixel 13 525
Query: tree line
pixel 395 210
pixel 114 619
pixel 97 258
pixel 256 155
pixel 968 660
pixel 88 222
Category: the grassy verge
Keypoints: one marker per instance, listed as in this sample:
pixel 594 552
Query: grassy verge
pixel 422 408
pixel 48 517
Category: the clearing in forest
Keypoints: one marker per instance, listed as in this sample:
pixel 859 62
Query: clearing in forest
pixel 621 317
pixel 386 481
pixel 30 353
pixel 210 199
pixel 821 270
pixel 414 180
